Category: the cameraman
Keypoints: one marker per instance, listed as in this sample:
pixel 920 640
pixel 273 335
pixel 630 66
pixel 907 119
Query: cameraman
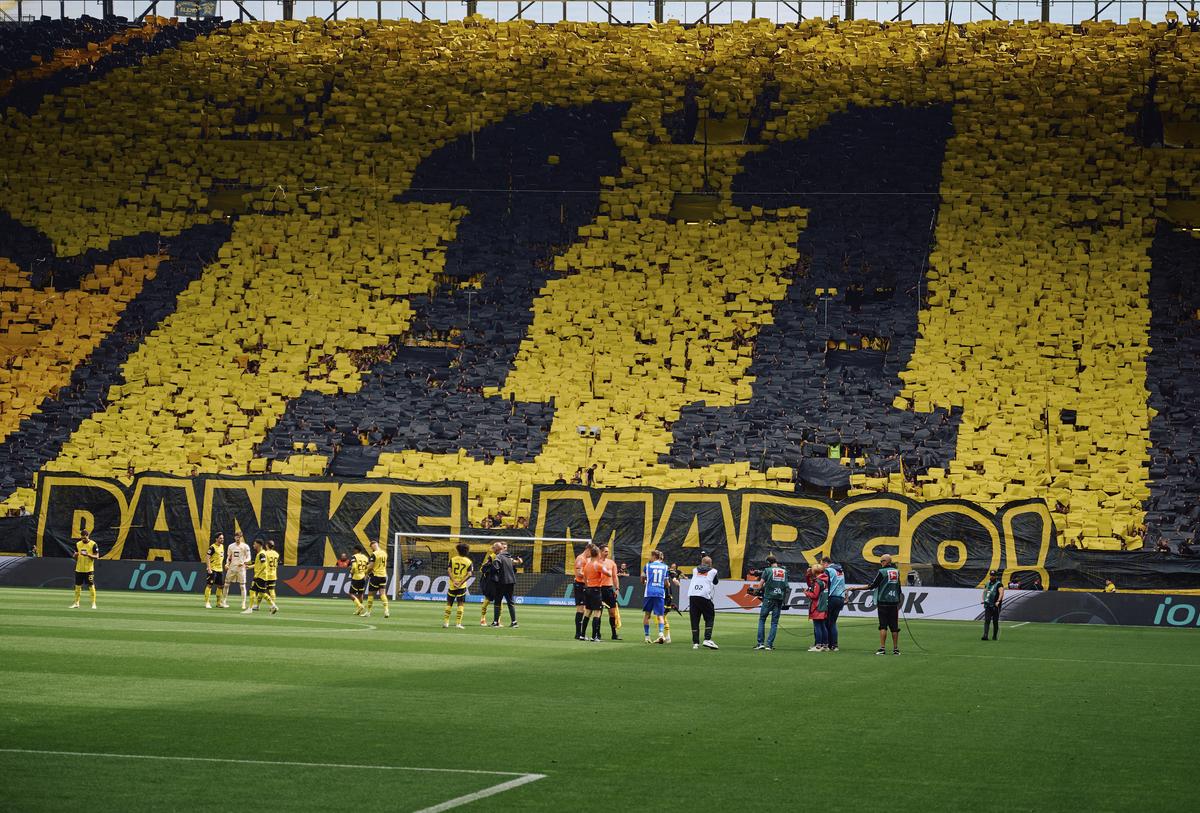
pixel 774 592
pixel 993 596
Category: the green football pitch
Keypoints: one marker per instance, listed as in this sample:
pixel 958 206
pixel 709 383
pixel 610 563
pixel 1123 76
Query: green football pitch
pixel 153 703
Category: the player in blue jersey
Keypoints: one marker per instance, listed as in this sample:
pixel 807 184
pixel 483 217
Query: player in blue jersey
pixel 654 579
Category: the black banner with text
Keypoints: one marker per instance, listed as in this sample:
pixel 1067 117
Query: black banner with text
pixel 313 520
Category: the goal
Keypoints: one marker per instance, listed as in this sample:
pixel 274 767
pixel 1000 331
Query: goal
pixel 420 560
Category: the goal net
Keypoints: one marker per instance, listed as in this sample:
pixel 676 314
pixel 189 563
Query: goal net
pixel 545 569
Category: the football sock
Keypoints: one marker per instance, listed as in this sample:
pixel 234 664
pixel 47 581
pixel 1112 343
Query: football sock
pixel 370 603
pixel 612 622
pixel 92 593
pixel 462 608
pixel 483 610
pixel 660 627
pixel 596 627
pixel 446 615
pixel 207 591
pixel 708 630
pixel 617 616
pixel 646 628
pixel 385 602
pixel 77 588
pixel 271 595
pixel 666 625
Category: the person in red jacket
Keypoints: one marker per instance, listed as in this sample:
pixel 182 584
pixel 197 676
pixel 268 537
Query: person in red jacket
pixel 818 606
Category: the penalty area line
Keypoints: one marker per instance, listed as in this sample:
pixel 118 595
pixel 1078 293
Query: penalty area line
pixel 459 801
pixel 517 781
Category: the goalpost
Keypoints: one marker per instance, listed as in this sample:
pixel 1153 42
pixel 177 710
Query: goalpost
pixel 433 552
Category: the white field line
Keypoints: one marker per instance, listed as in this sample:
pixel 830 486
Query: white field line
pixel 459 801
pixel 517 780
pixel 1014 626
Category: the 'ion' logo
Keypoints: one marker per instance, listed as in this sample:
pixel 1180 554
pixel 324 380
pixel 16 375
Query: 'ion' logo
pixel 1176 615
pixel 155 578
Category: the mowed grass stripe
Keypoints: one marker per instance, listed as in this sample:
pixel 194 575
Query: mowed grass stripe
pixel 1037 720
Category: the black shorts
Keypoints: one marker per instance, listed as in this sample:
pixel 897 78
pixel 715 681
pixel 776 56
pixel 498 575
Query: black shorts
pixel 377 583
pixel 459 595
pixel 358 586
pixel 259 586
pixel 608 596
pixel 85 578
pixel 216 578
pixel 889 617
pixel 592 599
pixel 580 591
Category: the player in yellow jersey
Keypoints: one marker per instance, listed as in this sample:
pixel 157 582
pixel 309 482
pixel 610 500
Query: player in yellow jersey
pixel 85 555
pixel 377 573
pixel 359 563
pixel 266 570
pixel 459 571
pixel 215 570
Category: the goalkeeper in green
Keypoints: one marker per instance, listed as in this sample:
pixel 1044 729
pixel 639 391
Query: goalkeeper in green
pixel 774 594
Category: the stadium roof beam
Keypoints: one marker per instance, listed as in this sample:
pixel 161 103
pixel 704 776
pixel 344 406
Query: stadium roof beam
pixel 521 9
pixel 150 9
pixel 607 9
pixel 1100 10
pixel 243 10
pixel 799 15
pixel 709 8
pixel 419 9
pixel 900 13
pixel 338 5
pixel 990 10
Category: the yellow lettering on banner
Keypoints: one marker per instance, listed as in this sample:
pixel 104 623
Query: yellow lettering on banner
pixel 189 492
pixel 870 548
pixel 49 481
pixel 595 511
pixel 985 521
pixel 734 545
pixel 960 554
pixel 83 520
pixel 1042 511
pixel 160 520
pixel 786 534
pixel 253 489
pixel 158 555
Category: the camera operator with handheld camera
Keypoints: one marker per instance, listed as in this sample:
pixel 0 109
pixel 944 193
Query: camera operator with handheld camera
pixel 774 592
pixel 993 597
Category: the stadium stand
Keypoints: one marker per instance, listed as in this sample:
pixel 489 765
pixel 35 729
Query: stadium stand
pixel 478 251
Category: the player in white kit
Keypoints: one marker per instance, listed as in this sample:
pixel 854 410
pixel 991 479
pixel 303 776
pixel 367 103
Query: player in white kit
pixel 236 559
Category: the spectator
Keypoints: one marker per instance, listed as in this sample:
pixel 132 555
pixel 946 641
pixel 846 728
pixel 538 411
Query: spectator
pixel 591 475
pixel 1013 584
pixel 1163 547
pixel 1185 549
pixel 577 477
pixel 1109 587
pixel 343 559
pixel 1037 584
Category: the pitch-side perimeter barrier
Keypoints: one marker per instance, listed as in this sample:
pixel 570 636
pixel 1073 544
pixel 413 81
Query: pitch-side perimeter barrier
pixel 946 603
